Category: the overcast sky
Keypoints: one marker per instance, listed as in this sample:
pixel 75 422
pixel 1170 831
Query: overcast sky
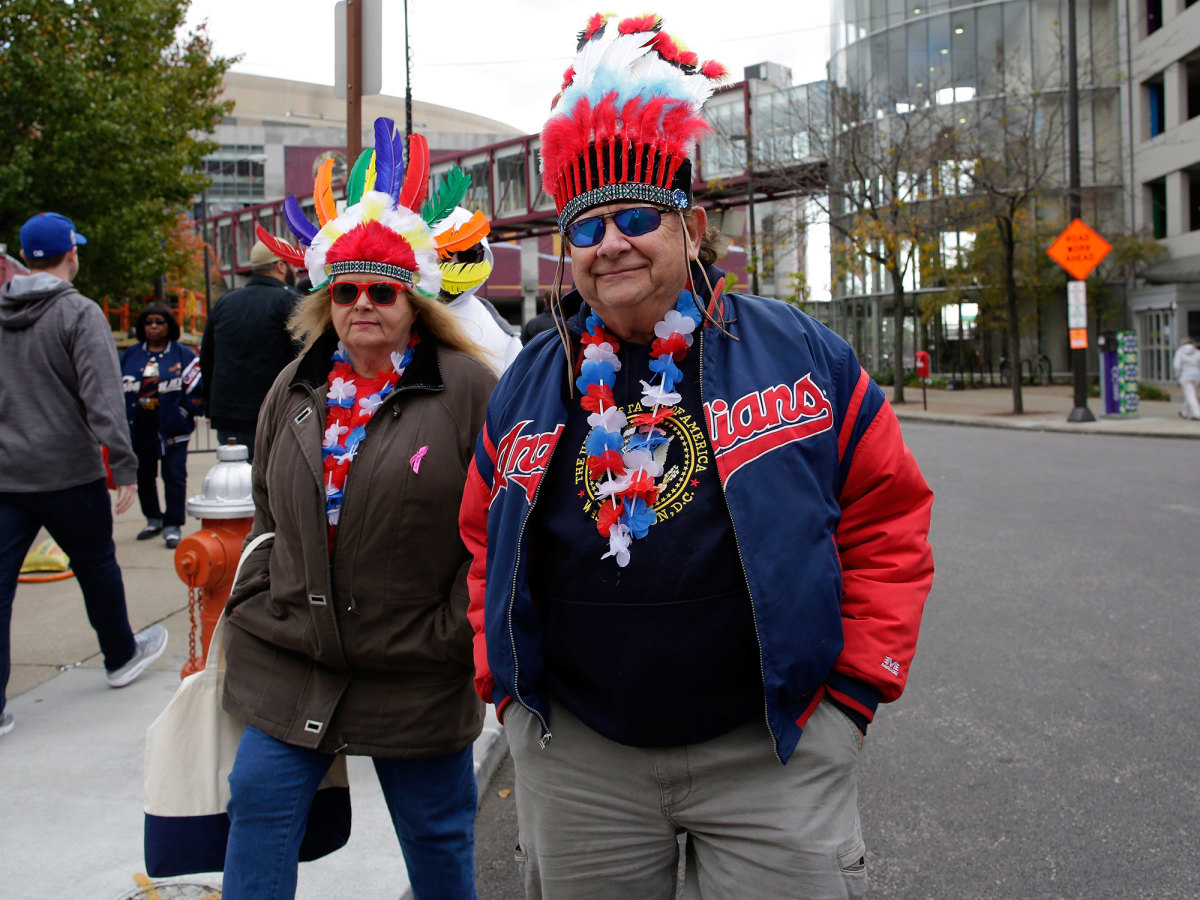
pixel 505 59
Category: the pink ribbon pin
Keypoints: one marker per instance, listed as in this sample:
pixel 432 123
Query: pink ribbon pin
pixel 415 459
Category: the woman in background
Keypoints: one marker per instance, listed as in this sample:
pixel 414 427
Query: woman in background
pixel 159 376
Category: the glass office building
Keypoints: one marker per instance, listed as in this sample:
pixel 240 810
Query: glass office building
pixel 962 64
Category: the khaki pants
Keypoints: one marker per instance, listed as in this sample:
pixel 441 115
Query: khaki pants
pixel 600 820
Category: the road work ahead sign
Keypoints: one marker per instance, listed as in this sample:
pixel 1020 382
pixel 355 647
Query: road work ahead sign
pixel 1079 249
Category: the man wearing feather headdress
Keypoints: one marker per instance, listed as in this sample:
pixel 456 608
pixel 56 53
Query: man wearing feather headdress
pixel 700 559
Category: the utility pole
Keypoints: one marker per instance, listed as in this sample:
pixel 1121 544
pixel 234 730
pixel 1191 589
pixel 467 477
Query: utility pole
pixel 407 83
pixel 354 80
pixel 1080 413
pixel 747 96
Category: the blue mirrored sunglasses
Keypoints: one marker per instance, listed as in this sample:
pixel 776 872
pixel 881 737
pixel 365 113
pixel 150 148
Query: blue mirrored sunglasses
pixel 632 222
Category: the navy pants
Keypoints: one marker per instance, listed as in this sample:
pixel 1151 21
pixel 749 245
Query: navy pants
pixel 80 520
pixel 174 476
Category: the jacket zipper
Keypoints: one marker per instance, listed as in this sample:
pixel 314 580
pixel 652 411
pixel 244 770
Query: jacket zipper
pixel 762 671
pixel 353 607
pixel 544 740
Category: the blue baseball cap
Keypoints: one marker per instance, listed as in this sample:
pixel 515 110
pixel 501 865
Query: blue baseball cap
pixel 48 234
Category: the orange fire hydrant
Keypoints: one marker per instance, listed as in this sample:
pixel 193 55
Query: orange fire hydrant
pixel 207 560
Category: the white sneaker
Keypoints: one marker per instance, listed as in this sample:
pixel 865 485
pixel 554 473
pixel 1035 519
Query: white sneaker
pixel 6 722
pixel 150 646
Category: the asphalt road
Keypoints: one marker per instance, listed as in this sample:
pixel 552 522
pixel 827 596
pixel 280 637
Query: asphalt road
pixel 1047 746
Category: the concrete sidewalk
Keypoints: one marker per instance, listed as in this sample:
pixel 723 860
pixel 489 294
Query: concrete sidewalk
pixel 71 770
pixel 1045 409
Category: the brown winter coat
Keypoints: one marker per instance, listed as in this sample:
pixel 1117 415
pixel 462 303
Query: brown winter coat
pixel 368 653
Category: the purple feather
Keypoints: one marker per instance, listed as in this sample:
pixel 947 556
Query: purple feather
pixel 389 158
pixel 302 228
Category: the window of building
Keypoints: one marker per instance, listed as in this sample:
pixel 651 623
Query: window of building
pixel 1156 107
pixel 1157 197
pixel 1155 328
pixel 237 172
pixel 1192 77
pixel 510 182
pixel 1154 16
pixel 1192 186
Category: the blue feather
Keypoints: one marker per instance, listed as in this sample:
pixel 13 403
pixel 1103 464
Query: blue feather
pixel 389 158
pixel 298 222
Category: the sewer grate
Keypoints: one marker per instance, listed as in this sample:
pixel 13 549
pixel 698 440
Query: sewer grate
pixel 173 890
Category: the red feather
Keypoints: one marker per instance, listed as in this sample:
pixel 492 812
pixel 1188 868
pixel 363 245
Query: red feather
pixel 416 175
pixel 374 242
pixel 595 23
pixel 638 24
pixel 280 248
pixel 713 70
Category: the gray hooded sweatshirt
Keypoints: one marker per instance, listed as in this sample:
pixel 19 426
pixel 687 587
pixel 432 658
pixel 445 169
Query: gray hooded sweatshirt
pixel 60 390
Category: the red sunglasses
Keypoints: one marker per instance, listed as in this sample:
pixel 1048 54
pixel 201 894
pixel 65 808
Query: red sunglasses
pixel 381 293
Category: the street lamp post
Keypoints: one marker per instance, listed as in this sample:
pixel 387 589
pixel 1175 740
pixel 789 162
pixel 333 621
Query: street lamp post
pixel 1080 413
pixel 749 143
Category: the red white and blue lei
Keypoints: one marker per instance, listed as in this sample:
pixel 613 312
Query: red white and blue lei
pixel 351 401
pixel 626 474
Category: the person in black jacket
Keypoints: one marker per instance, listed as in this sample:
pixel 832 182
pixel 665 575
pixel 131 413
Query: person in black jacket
pixel 246 344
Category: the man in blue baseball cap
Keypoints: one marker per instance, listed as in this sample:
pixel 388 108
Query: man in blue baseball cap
pixel 63 401
pixel 47 235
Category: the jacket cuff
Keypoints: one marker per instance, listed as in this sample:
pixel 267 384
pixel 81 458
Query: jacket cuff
pixel 502 708
pixel 853 695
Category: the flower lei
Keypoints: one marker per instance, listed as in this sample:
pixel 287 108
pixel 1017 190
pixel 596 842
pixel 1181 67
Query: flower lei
pixel 351 401
pixel 627 479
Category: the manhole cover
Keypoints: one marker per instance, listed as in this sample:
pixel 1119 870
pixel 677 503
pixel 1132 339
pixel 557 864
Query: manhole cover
pixel 176 890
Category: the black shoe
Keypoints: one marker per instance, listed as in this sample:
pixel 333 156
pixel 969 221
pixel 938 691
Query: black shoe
pixel 171 535
pixel 153 527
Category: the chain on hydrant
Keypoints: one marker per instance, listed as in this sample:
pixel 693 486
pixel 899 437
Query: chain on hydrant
pixel 206 561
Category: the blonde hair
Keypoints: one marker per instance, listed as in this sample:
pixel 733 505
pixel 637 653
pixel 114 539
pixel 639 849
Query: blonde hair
pixel 312 317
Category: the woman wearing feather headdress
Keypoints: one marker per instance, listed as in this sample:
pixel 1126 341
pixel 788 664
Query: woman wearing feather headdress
pixel 349 634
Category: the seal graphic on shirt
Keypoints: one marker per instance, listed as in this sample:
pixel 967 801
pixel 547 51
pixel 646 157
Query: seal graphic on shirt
pixel 686 457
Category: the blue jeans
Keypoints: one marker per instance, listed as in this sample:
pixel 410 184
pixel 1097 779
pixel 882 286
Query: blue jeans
pixel 174 476
pixel 80 520
pixel 432 802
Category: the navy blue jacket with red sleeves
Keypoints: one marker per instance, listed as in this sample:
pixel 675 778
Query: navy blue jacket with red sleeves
pixel 829 508
pixel 178 380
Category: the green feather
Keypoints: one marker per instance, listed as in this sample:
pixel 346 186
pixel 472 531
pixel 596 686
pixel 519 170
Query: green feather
pixel 358 177
pixel 449 194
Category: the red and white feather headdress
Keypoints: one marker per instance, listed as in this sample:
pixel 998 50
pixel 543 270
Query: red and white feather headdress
pixel 627 119
pixel 380 231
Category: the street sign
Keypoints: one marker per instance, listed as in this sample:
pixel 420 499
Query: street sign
pixel 372 48
pixel 1079 249
pixel 1077 314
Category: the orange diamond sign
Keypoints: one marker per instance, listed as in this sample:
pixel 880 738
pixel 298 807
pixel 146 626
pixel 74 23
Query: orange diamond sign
pixel 1079 249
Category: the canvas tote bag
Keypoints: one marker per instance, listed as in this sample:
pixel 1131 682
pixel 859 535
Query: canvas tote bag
pixel 190 750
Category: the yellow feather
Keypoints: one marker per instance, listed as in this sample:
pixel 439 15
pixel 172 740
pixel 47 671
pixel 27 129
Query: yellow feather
pixel 369 181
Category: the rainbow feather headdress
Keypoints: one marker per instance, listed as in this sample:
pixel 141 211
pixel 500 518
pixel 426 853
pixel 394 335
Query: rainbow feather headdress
pixel 627 119
pixel 379 232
